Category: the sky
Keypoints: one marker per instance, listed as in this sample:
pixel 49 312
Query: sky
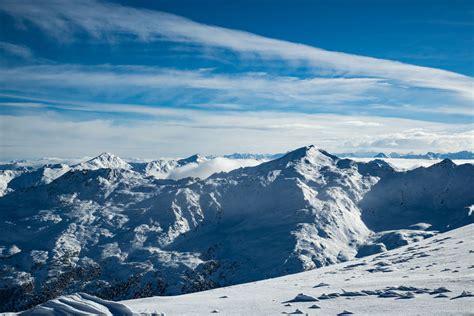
pixel 173 78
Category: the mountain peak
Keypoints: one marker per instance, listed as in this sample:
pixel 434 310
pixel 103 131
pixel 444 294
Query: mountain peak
pixel 309 151
pixel 106 156
pixel 311 154
pixel 196 158
pixel 445 163
pixel 104 160
pixel 380 155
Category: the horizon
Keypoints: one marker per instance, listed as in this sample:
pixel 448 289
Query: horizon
pixel 363 154
pixel 167 79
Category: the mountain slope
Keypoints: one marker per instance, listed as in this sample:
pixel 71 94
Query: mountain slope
pixel 434 277
pixel 425 278
pixel 439 195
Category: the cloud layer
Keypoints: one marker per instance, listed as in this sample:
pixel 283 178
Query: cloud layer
pixel 185 132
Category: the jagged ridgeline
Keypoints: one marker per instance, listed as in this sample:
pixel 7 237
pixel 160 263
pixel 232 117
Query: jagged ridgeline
pixel 112 229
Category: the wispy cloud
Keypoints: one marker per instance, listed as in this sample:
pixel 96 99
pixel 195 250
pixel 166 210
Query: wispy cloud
pixel 103 20
pixel 467 110
pixel 23 104
pixel 206 90
pixel 153 77
pixel 16 50
pixel 222 91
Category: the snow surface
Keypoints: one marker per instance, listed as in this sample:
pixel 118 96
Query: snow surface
pixel 415 275
pixel 79 304
pixel 5 177
pixel 431 277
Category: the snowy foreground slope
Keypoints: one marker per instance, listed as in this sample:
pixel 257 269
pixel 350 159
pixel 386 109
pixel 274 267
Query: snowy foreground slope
pixel 431 277
pixel 107 228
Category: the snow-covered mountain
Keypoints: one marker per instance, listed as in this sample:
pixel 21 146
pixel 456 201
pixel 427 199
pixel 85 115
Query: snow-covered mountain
pixel 254 156
pixel 111 230
pixel 11 180
pixel 431 155
pixel 104 160
pixel 5 177
pixel 41 171
pixel 163 168
pixel 440 195
pixel 459 155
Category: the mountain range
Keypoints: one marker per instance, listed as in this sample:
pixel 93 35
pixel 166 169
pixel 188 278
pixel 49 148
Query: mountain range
pixel 119 230
pixel 463 155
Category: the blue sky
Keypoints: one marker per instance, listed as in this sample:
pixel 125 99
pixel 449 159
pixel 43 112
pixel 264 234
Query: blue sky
pixel 170 78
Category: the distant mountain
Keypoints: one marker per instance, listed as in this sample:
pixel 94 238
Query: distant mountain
pixel 40 176
pixel 16 179
pixel 104 160
pixel 461 155
pixel 363 154
pixel 253 156
pixel 380 155
pixel 107 229
pixel 431 155
pixel 40 171
pixel 162 168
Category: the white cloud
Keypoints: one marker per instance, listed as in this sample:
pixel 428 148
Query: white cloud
pixel 23 104
pixel 467 110
pixel 362 123
pixel 111 21
pixel 209 167
pixel 186 132
pixel 222 91
pixel 106 76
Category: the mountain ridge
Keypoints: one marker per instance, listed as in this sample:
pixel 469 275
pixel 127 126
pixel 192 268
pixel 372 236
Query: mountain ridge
pixel 459 155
